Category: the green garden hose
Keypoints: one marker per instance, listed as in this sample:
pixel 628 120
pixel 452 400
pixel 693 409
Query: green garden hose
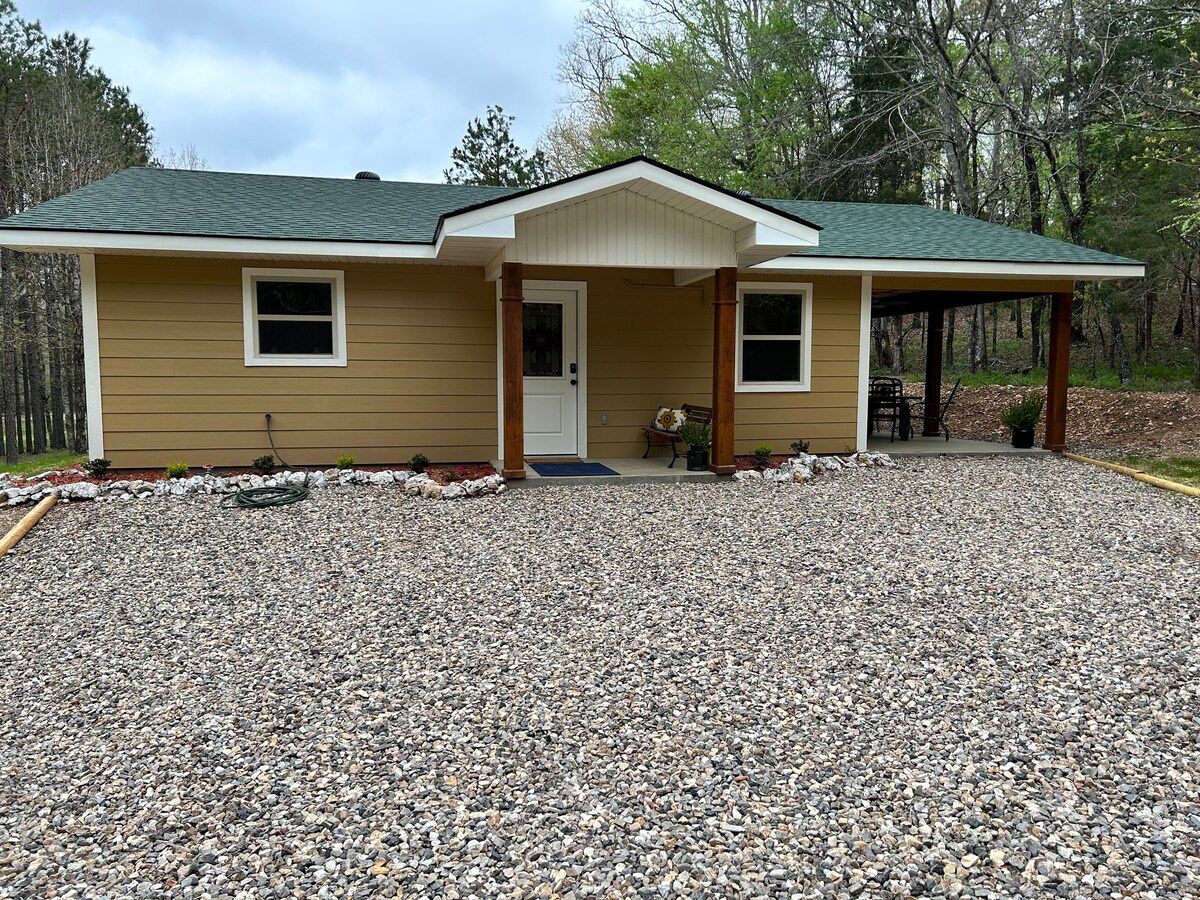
pixel 261 498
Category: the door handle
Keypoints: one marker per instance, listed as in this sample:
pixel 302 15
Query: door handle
pixel 574 381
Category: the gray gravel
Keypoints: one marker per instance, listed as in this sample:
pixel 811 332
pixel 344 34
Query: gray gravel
pixel 973 678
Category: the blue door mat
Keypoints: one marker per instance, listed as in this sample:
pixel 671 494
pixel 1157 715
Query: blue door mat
pixel 563 470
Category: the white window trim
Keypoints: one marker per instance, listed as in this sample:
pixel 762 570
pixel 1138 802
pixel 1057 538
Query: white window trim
pixel 777 287
pixel 336 277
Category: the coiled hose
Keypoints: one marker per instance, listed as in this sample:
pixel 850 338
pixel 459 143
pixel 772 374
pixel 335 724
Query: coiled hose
pixel 261 498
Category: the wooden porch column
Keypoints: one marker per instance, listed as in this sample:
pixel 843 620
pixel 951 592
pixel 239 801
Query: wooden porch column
pixel 724 340
pixel 1058 369
pixel 934 339
pixel 512 300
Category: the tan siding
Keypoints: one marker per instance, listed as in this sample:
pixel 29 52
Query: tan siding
pixel 650 344
pixel 421 372
pixel 422 366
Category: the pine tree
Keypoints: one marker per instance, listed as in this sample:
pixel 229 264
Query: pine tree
pixel 489 155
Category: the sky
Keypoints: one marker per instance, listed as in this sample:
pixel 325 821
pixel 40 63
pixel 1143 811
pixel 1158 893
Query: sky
pixel 325 88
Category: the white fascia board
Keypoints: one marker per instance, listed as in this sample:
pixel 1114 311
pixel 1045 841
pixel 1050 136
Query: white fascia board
pixel 117 242
pixel 598 182
pixel 502 227
pixel 951 267
pixel 758 234
pixel 684 277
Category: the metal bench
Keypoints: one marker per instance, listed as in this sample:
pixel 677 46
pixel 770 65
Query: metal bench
pixel 656 437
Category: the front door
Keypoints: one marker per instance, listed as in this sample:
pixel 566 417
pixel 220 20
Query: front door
pixel 551 373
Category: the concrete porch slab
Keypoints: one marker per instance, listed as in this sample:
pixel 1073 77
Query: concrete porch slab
pixel 629 471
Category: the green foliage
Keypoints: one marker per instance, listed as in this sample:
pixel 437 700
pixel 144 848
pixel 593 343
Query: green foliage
pixel 799 447
pixel 345 461
pixel 696 435
pixel 263 465
pixel 762 455
pixel 1023 414
pixel 419 463
pixel 1184 469
pixel 97 467
pixel 177 470
pixel 489 155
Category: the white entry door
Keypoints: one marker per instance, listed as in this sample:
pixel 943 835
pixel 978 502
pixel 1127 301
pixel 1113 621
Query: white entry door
pixel 550 341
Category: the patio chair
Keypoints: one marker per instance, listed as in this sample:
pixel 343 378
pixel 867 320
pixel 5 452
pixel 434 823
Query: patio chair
pixel 918 410
pixel 885 401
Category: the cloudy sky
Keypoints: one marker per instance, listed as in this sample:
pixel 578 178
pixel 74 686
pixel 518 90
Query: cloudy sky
pixel 325 88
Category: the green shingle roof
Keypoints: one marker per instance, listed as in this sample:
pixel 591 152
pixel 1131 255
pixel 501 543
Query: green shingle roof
pixel 229 204
pixel 225 204
pixel 896 231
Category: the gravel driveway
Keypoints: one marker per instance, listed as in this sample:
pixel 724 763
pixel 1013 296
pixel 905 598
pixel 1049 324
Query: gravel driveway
pixel 973 677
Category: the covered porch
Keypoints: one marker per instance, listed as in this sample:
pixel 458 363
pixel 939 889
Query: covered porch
pixel 898 296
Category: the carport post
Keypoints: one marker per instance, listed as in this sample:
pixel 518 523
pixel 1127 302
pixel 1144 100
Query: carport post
pixel 512 304
pixel 724 356
pixel 1058 371
pixel 933 371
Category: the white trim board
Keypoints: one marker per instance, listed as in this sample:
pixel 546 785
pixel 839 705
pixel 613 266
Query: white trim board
pixel 778 226
pixel 116 242
pixel 581 348
pixel 805 291
pixel 91 355
pixel 854 266
pixel 336 277
pixel 864 360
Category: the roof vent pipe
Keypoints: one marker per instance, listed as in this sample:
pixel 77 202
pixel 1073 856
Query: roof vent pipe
pixel 366 175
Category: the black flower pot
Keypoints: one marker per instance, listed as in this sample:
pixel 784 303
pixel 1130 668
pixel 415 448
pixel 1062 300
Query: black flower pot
pixel 697 460
pixel 1022 438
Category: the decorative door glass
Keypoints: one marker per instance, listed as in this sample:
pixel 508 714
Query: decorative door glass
pixel 543 340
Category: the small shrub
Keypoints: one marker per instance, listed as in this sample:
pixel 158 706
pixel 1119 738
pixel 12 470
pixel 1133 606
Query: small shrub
pixel 762 455
pixel 1024 414
pixel 419 463
pixel 799 447
pixel 695 435
pixel 264 465
pixel 97 467
pixel 345 461
pixel 177 470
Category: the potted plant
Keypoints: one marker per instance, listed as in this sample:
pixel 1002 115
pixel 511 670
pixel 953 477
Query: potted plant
pixel 1022 417
pixel 697 437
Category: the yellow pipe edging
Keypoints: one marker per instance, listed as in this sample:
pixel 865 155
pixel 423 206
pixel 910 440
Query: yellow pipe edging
pixel 22 528
pixel 1163 483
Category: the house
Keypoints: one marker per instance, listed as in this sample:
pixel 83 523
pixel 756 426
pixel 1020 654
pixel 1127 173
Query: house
pixel 472 323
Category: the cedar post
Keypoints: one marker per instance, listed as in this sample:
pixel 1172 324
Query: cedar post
pixel 933 371
pixel 1058 370
pixel 724 339
pixel 512 300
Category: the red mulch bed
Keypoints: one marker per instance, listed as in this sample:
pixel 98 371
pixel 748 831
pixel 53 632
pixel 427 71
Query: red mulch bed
pixel 746 463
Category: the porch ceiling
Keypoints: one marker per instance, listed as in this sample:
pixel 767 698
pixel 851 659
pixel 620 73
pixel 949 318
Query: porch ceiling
pixel 900 302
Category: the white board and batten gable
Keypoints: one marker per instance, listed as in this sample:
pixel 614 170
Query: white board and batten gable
pixel 633 215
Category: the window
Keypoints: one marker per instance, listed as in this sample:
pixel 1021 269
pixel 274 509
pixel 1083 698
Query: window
pixel 774 336
pixel 294 317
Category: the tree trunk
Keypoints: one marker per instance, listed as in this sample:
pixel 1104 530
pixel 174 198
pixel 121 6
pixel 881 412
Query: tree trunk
pixel 1020 322
pixel 34 363
pixel 1037 340
pixel 948 356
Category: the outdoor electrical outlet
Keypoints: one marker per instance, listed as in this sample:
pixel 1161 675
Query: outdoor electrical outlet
pixel 604 420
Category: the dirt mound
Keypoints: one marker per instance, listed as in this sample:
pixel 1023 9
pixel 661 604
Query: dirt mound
pixel 1141 422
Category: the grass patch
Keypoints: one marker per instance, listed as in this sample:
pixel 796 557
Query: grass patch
pixel 1184 469
pixel 32 463
pixel 1149 378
